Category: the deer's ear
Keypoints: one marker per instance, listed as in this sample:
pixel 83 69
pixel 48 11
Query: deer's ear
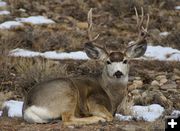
pixel 94 52
pixel 136 50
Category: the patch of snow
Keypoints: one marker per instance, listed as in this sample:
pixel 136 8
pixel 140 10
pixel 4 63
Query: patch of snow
pixel 123 118
pixel 1 113
pixel 177 7
pixel 24 53
pixel 4 12
pixel 164 33
pixel 14 108
pixel 161 53
pixel 152 52
pixel 147 113
pixel 36 20
pixel 2 3
pixel 79 55
pixel 175 113
pixel 10 24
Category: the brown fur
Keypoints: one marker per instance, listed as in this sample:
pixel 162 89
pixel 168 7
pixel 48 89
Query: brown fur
pixel 77 98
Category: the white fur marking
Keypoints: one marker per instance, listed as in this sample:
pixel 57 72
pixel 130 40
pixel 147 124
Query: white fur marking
pixel 35 114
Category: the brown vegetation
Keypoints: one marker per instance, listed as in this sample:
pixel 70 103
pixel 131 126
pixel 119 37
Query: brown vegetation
pixel 114 20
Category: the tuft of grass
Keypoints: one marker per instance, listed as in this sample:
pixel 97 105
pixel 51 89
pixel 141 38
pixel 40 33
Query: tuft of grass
pixel 173 40
pixel 37 70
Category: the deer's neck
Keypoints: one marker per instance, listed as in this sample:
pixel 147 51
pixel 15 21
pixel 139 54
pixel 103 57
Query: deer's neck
pixel 115 89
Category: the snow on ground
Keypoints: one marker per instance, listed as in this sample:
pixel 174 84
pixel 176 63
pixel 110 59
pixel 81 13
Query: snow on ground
pixel 175 113
pixel 14 108
pixel 177 7
pixel 147 113
pixel 35 20
pixel 2 3
pixel 4 12
pixel 164 33
pixel 10 24
pixel 153 52
pixel 162 53
pixel 79 55
pixel 19 22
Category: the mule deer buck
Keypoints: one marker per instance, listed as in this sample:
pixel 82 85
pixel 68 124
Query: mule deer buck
pixel 87 100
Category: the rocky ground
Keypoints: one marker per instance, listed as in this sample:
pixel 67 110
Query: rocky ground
pixel 17 124
pixel 150 81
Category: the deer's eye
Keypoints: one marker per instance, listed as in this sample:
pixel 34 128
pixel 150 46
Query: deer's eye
pixel 108 62
pixel 125 61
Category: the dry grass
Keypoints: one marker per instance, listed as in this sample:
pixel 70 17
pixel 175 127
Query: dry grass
pixel 163 4
pixel 173 40
pixel 33 71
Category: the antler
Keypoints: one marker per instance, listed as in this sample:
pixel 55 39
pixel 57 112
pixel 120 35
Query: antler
pixel 142 31
pixel 90 25
pixel 89 32
pixel 137 48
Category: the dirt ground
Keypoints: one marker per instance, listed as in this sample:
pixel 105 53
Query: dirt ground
pixel 7 124
pixel 115 21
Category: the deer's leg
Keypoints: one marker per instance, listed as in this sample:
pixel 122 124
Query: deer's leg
pixel 99 110
pixel 69 119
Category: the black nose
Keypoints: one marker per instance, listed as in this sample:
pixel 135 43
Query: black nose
pixel 118 74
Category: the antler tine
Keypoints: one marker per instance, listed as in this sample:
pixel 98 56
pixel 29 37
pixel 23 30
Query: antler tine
pixel 142 17
pixel 89 24
pixel 137 16
pixel 147 23
pixel 139 21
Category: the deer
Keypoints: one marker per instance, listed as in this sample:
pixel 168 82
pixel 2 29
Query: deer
pixel 87 100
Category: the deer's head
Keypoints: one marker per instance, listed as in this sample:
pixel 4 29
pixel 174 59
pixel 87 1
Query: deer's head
pixel 116 63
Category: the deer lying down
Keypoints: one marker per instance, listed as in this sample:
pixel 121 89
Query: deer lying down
pixel 86 100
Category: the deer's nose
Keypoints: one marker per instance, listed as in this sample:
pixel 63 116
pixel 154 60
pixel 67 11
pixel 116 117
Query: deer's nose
pixel 118 74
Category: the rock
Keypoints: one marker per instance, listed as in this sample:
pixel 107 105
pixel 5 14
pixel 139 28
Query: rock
pixel 176 77
pixel 150 88
pixel 136 84
pixel 144 94
pixel 159 77
pixel 163 81
pixel 168 86
pixel 178 26
pixel 176 71
pixel 155 83
pixel 172 91
pixel 131 87
pixel 178 84
pixel 135 92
